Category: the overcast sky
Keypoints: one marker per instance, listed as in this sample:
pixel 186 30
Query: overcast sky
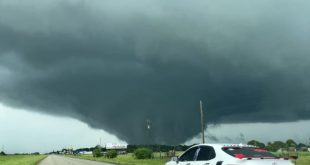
pixel 114 65
pixel 24 131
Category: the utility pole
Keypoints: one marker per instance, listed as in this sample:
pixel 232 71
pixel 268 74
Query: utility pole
pixel 202 124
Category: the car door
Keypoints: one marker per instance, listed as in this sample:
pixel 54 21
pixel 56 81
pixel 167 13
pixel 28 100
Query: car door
pixel 206 156
pixel 189 157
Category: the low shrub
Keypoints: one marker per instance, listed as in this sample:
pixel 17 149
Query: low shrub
pixel 111 154
pixel 97 153
pixel 143 153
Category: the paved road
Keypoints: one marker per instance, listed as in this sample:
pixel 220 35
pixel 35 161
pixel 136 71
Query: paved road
pixel 61 160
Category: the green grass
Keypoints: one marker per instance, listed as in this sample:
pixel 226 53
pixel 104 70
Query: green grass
pixel 127 159
pixel 303 157
pixel 303 160
pixel 21 159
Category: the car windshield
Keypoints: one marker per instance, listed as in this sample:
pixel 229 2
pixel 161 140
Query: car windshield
pixel 248 152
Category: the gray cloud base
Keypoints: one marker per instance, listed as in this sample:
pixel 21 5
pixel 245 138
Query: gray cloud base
pixel 115 65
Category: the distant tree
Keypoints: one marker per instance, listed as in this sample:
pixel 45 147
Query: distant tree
pixel 2 153
pixel 97 153
pixel 156 148
pixel 181 147
pixel 301 145
pixel 131 148
pixel 256 143
pixel 291 143
pixel 82 149
pixel 275 146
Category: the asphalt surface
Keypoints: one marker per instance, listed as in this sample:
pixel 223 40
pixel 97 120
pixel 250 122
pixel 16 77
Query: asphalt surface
pixel 62 160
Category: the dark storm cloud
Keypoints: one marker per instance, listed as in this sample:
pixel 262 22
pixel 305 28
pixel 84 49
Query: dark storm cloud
pixel 115 65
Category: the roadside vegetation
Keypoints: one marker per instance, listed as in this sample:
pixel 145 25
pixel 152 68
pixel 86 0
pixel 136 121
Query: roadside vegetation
pixel 21 159
pixel 160 154
pixel 127 159
pixel 303 160
pixel 139 156
pixel 143 153
pixel 303 157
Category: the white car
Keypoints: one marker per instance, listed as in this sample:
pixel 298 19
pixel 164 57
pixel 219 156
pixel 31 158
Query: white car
pixel 232 154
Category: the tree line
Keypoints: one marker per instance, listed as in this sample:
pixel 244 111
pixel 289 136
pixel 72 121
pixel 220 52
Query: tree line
pixel 270 146
pixel 277 145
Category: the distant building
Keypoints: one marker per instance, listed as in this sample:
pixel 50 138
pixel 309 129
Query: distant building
pixel 120 148
pixel 302 149
pixel 85 152
pixel 292 149
pixel 116 146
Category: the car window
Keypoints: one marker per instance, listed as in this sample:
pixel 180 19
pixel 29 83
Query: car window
pixel 246 152
pixel 189 155
pixel 205 153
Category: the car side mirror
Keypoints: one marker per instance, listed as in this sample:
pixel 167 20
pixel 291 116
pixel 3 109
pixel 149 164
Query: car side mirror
pixel 176 159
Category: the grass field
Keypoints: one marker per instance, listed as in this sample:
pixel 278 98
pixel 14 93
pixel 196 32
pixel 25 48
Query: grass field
pixel 21 159
pixel 304 159
pixel 127 159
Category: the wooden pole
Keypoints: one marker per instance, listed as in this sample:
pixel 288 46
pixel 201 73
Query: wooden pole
pixel 202 123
